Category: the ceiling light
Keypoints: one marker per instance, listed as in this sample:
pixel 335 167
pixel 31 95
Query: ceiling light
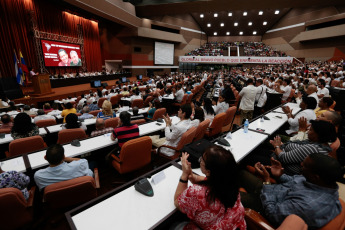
pixel 201 15
pixel 241 33
pixel 250 23
pixel 227 33
pixel 254 32
pixel 244 13
pixel 235 24
pixel 209 25
pixel 265 23
pixel 221 24
pixel 261 12
pixel 215 33
pixel 276 12
pixel 215 15
pixel 230 14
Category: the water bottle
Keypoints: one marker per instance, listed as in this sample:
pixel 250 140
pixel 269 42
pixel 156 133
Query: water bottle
pixel 246 125
pixel 262 119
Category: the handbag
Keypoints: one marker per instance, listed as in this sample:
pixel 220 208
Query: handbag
pixel 196 150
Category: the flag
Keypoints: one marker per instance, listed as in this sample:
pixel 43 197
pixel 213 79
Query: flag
pixel 18 70
pixel 24 67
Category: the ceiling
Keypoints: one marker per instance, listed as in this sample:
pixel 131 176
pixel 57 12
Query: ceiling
pixel 250 24
pixel 154 8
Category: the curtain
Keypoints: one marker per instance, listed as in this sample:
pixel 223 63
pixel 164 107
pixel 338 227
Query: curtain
pixel 15 33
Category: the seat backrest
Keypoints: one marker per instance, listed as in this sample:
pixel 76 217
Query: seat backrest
pixel 184 99
pixel 68 135
pixel 100 101
pixel 159 113
pixel 230 113
pixel 45 123
pixel 26 145
pixel 95 112
pixel 255 221
pixel 139 121
pixel 190 97
pixel 112 122
pixel 16 214
pixel 5 130
pixel 131 158
pixel 114 100
pixel 201 129
pixel 147 100
pixel 138 103
pixel 339 221
pixel 217 124
pixel 70 192
pixel 187 138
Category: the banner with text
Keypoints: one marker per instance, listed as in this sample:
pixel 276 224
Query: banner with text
pixel 235 60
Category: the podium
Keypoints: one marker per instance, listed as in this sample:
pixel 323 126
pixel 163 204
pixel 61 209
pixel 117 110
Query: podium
pixel 41 85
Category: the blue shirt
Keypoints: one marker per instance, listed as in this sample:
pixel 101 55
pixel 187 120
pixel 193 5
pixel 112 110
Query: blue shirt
pixel 93 107
pixel 85 116
pixel 316 205
pixel 104 117
pixel 62 172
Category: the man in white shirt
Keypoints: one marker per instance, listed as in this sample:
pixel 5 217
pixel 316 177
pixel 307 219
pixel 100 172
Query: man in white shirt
pixel 173 133
pixel 285 90
pixel 247 95
pixel 261 96
pixel 311 92
pixel 179 94
pixel 41 116
pixel 307 106
pixel 322 91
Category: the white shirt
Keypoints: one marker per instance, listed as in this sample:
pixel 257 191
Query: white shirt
pixel 221 107
pixel 43 117
pixel 248 97
pixel 314 95
pixel 323 91
pixel 179 95
pixel 261 96
pixel 309 114
pixel 287 91
pixel 173 135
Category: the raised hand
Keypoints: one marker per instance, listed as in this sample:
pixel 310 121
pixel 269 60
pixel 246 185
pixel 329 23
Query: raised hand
pixel 261 170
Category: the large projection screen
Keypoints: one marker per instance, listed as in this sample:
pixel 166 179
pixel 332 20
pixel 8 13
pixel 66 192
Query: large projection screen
pixel 61 53
pixel 164 53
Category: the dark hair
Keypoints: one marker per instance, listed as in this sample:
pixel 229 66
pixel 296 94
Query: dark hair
pixel 22 124
pixel 55 154
pixel 135 110
pixel 260 81
pixel 199 114
pixel 328 168
pixel 310 102
pixel 62 50
pixel 250 81
pixel 187 109
pixel 26 107
pixel 322 82
pixel 287 80
pixel 222 184
pixel 125 118
pixel 40 112
pixel 328 101
pixel 5 119
pixel 208 106
pixel 68 105
pixel 46 106
pixel 72 121
pixel 325 130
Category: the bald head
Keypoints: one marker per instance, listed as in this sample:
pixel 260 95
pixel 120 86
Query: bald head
pixel 311 89
pixel 331 116
pixel 100 124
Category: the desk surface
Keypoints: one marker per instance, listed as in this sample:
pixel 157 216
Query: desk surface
pixel 294 106
pixel 155 126
pixel 14 164
pixel 8 138
pixel 269 126
pixel 130 209
pixel 243 143
pixel 37 159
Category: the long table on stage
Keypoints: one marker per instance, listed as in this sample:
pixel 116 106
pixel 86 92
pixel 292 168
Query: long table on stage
pixel 62 82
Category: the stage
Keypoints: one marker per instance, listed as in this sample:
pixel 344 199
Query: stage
pixel 60 93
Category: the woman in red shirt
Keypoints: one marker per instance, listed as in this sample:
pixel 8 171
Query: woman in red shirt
pixel 213 202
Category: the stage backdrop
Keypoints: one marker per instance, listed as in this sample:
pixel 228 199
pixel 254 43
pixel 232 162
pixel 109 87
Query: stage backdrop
pixel 15 33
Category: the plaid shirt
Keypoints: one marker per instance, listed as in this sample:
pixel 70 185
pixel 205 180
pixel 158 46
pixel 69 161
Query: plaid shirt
pixel 316 205
pixel 101 132
pixel 93 107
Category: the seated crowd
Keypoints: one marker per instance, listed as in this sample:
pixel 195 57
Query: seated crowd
pixel 294 173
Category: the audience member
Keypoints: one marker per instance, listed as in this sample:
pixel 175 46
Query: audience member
pixel 212 202
pixel 221 106
pixel 107 111
pixel 23 127
pixel 313 196
pixel 73 123
pixel 136 114
pixel 60 168
pixel 247 95
pixel 324 105
pixel 47 108
pixel 68 108
pixel 100 128
pixel 208 110
pixel 13 179
pixel 85 114
pixel 28 111
pixel 199 116
pixel 6 122
pixel 42 116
